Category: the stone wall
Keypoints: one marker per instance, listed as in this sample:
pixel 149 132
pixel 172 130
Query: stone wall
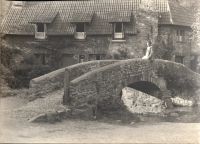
pixel 55 80
pixel 102 87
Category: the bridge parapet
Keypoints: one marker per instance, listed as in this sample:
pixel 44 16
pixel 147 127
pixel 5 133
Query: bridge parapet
pixel 54 80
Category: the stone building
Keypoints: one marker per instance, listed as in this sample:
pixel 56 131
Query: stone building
pixel 62 33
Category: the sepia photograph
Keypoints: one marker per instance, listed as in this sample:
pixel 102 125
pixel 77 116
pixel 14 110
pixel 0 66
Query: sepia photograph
pixel 100 71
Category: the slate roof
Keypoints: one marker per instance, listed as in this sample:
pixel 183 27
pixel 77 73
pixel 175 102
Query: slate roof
pixel 124 16
pixel 81 17
pixel 177 15
pixel 45 17
pixel 60 15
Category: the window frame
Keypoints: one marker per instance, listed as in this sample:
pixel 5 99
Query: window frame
pixel 80 34
pixel 81 58
pixel 38 25
pixel 118 32
pixel 117 27
pixel 41 35
pixel 180 35
pixel 82 25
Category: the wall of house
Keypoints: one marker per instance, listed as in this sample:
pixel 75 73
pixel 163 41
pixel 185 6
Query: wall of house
pixel 61 51
pixel 180 48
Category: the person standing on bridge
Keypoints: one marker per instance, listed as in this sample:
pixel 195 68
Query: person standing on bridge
pixel 149 51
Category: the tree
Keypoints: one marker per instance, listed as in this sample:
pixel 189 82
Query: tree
pixel 163 50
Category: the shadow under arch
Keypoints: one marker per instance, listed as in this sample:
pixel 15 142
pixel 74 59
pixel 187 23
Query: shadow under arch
pixel 147 87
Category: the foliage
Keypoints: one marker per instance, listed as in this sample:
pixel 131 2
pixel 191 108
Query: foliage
pixel 148 5
pixel 163 50
pixel 25 73
pixel 196 32
pixel 178 82
pixel 119 52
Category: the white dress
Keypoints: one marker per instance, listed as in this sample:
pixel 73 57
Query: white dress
pixel 148 53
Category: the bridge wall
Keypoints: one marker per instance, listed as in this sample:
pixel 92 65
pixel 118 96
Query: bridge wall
pixel 55 79
pixel 103 86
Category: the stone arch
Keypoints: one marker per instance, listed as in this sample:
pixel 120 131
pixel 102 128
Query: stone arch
pixel 147 87
pixel 114 101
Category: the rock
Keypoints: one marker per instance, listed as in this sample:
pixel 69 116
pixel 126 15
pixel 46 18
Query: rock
pixel 39 118
pixel 53 117
pixel 132 123
pixel 63 112
pixel 182 102
pixel 141 103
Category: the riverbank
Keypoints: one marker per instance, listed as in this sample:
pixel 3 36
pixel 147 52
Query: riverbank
pixel 78 131
pixel 181 127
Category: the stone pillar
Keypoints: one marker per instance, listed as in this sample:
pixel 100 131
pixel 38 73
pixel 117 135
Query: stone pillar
pixel 66 97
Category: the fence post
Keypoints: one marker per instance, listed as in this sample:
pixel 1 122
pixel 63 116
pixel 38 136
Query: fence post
pixel 66 97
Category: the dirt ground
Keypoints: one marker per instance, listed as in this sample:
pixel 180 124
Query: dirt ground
pixel 15 128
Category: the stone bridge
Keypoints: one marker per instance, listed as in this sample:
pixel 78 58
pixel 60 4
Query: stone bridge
pixel 101 87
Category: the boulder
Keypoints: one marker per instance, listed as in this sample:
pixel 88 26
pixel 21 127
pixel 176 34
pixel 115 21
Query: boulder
pixel 141 103
pixel 39 118
pixel 177 101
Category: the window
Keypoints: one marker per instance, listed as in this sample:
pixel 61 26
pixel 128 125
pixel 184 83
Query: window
pixel 40 31
pixel 40 27
pixel 118 27
pixel 80 27
pixel 98 57
pixel 95 57
pixel 80 33
pixel 180 34
pixel 118 30
pixel 81 58
pixel 179 59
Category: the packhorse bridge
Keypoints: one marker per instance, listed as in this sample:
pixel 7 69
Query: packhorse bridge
pixel 100 83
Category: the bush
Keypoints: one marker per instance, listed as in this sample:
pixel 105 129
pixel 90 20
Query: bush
pixel 25 73
pixel 163 50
